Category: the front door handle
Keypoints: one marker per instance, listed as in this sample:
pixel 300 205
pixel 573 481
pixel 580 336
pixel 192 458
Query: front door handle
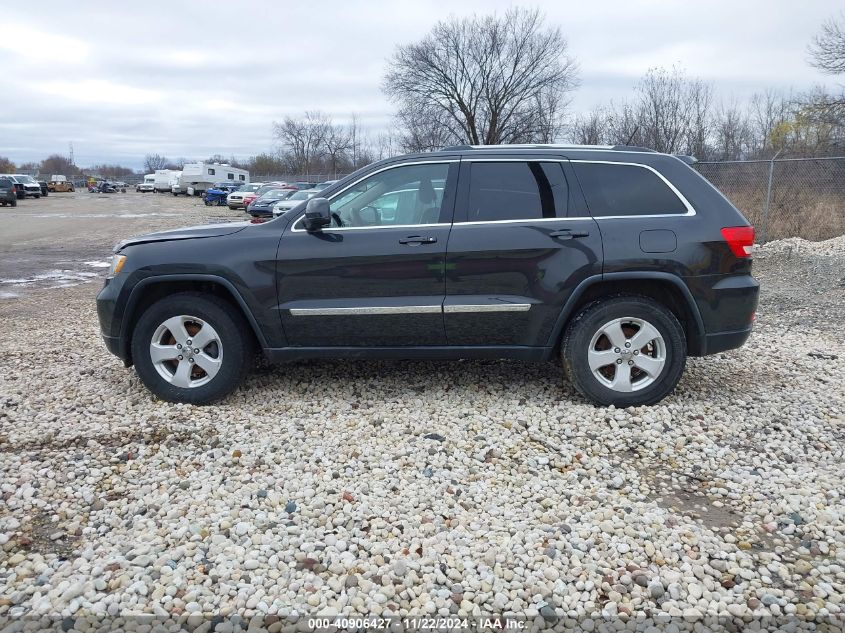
pixel 568 234
pixel 417 239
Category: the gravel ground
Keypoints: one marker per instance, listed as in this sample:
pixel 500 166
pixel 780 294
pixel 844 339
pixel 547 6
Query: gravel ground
pixel 428 487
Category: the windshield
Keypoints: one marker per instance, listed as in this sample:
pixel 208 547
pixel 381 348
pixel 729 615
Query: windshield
pixel 26 179
pixel 274 194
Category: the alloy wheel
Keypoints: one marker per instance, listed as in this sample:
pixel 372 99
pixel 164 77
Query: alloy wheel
pixel 186 351
pixel 627 354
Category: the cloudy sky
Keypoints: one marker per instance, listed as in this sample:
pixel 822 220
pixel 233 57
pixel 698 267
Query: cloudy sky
pixel 193 79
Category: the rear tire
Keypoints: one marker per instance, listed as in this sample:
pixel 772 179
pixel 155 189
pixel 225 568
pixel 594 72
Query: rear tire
pixel 227 348
pixel 651 351
pixel 14 202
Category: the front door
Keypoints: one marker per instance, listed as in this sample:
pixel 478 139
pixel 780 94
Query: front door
pixel 375 277
pixel 521 242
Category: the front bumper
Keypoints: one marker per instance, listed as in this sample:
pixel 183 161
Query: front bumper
pixel 111 319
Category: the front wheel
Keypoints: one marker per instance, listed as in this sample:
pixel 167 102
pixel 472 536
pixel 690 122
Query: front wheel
pixel 625 351
pixel 191 348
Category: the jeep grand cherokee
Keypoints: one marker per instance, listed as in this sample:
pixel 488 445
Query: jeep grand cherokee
pixel 620 260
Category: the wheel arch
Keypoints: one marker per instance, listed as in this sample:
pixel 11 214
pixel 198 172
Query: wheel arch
pixel 149 290
pixel 665 288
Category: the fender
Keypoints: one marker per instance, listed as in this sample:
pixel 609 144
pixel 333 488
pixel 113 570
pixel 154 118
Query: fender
pixel 135 295
pixel 676 281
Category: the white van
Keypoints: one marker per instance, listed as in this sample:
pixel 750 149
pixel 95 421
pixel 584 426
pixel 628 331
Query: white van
pixel 148 184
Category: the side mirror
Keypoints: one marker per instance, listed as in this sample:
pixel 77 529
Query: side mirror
pixel 318 214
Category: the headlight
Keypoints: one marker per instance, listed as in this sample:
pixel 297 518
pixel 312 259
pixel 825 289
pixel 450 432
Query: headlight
pixel 117 262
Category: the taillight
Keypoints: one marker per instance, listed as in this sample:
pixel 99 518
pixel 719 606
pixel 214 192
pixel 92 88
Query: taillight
pixel 740 239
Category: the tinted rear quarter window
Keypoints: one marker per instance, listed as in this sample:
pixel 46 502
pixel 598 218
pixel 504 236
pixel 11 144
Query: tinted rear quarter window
pixel 617 189
pixel 516 190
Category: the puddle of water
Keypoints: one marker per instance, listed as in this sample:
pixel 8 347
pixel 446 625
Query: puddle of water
pixel 8 295
pixel 53 279
pixel 97 264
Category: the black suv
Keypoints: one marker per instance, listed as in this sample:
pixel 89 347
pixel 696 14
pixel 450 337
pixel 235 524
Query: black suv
pixel 620 260
pixel 8 193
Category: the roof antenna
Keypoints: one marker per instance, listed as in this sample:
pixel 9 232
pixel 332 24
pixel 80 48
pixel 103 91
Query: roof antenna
pixel 631 138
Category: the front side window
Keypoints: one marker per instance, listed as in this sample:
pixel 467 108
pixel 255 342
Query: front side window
pixel 617 189
pixel 516 190
pixel 405 195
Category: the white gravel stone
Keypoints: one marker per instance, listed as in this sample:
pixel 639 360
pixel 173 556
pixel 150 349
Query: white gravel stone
pixel 534 501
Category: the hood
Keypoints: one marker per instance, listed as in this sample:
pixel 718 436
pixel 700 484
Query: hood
pixel 189 233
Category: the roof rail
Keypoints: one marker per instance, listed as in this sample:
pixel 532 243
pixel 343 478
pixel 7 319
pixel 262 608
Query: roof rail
pixel 625 148
pixel 632 148
pixel 689 160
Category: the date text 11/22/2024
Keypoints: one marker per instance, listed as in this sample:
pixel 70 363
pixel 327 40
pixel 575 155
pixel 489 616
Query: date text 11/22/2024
pixel 411 623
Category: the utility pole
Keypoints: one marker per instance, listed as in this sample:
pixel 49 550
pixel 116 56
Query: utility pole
pixel 70 155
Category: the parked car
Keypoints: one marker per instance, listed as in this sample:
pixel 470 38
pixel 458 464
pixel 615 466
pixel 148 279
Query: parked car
pixel 267 186
pixel 8 194
pixel 236 198
pixel 620 261
pixel 294 200
pixel 44 189
pixel 59 184
pixel 24 185
pixel 263 207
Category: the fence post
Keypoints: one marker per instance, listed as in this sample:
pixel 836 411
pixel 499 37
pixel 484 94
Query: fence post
pixel 764 228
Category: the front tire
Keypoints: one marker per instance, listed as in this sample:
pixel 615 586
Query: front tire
pixel 625 351
pixel 192 348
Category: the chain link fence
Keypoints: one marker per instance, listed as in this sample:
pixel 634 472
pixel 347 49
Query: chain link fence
pixel 312 178
pixel 789 197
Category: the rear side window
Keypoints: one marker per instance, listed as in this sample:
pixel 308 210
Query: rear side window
pixel 516 190
pixel 617 189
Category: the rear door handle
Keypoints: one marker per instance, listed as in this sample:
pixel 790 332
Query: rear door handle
pixel 417 239
pixel 568 234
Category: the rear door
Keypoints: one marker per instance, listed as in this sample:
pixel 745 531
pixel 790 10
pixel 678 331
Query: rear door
pixel 521 242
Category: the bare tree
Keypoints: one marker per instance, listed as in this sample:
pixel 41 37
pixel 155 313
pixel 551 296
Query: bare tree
pixel 302 139
pixel 590 129
pixel 673 111
pixel 154 161
pixel 733 138
pixel 769 113
pixel 58 164
pixel 827 51
pixel 482 80
pixel 6 166
pixel 337 143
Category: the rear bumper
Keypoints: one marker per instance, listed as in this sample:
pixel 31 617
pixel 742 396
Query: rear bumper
pixel 722 341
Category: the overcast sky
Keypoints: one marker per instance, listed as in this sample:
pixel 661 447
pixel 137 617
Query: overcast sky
pixel 193 79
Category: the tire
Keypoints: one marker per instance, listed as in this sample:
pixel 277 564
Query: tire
pixel 230 343
pixel 663 352
pixel 14 202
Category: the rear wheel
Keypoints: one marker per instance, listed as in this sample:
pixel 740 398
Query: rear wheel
pixel 191 348
pixel 625 351
pixel 13 202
